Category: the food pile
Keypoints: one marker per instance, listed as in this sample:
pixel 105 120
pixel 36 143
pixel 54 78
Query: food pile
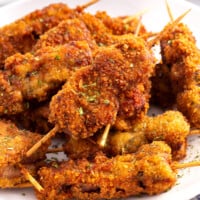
pixel 90 80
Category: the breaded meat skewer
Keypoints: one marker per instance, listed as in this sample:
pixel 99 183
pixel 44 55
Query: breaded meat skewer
pixel 21 35
pixel 117 82
pixel 35 77
pixel 181 54
pixel 149 171
pixel 170 127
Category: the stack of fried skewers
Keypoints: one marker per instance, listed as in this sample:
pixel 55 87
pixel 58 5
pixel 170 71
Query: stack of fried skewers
pixel 89 79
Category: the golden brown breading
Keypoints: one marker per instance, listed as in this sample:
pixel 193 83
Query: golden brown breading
pixel 170 127
pixel 146 172
pixel 100 33
pixel 119 143
pixel 14 143
pixel 88 101
pixel 117 78
pixel 134 99
pixel 81 148
pixel 36 77
pixel 11 99
pixel 171 50
pixel 188 103
pixel 180 52
pixel 66 31
pixel 118 26
pixel 21 35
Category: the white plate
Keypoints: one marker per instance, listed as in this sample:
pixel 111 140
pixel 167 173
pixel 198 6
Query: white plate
pixel 189 184
pixel 3 2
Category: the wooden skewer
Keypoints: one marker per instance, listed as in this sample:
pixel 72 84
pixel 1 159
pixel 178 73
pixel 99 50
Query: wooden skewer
pixel 177 165
pixel 103 139
pixel 136 15
pixel 174 23
pixel 30 178
pixel 55 150
pixel 138 27
pixel 89 4
pixel 194 132
pixel 169 11
pixel 149 35
pixel 37 145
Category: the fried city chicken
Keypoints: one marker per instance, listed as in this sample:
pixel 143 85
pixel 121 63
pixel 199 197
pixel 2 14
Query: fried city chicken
pixel 180 53
pixel 66 31
pixel 36 77
pixel 85 26
pixel 148 171
pixel 21 35
pixel 113 86
pixel 170 127
pixel 88 101
pixel 81 148
pixel 63 70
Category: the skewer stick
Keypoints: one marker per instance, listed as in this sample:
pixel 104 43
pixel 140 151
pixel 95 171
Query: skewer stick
pixel 31 179
pixel 137 30
pixel 88 4
pixel 149 35
pixel 174 23
pixel 47 137
pixel 136 15
pixel 177 165
pixel 169 11
pixel 194 132
pixel 103 139
pixel 55 150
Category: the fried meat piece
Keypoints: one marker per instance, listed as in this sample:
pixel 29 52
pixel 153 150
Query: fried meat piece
pixel 81 27
pixel 81 148
pixel 170 127
pixel 67 30
pixel 134 97
pixel 36 77
pixel 11 100
pixel 188 103
pixel 146 172
pixel 88 101
pixel 118 26
pixel 171 49
pixel 180 53
pixel 14 143
pixel 117 79
pixel 183 58
pixel 120 143
pixel 21 35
